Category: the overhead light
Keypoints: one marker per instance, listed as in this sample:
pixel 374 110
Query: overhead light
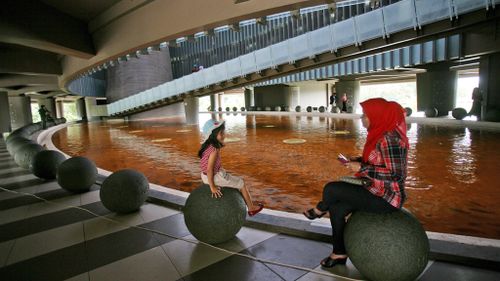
pixel 295 14
pixel 235 27
pixel 173 43
pixel 261 20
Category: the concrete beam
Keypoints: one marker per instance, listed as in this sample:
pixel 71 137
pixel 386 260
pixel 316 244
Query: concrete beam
pixel 34 24
pixel 12 80
pixel 21 60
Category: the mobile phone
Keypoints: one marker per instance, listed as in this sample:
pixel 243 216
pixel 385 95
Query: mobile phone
pixel 342 159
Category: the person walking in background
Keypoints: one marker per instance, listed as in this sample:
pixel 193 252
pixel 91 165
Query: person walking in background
pixel 344 103
pixel 378 185
pixel 212 172
pixel 477 99
pixel 43 116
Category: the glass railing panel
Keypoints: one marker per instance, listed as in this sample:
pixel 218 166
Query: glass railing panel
pixel 370 25
pixel 199 79
pixel 344 34
pixel 299 47
pixel 188 83
pixel 399 16
pixel 248 64
pixel 321 40
pixel 464 6
pixel 233 68
pixel 221 72
pixel 432 10
pixel 280 52
pixel 263 58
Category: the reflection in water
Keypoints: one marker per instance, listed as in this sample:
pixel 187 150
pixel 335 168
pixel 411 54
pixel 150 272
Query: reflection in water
pixel 450 183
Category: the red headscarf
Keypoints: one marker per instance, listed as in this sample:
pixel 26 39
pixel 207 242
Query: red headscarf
pixel 384 116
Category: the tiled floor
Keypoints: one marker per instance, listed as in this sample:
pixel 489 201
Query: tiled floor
pixel 43 241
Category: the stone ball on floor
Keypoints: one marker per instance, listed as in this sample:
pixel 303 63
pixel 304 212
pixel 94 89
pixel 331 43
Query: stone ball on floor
pixel 321 109
pixel 459 113
pixel 77 174
pixel 17 142
pixel 387 247
pixel 45 163
pixel 309 109
pixel 431 112
pixel 297 108
pixel 214 220
pixel 124 191
pixel 24 155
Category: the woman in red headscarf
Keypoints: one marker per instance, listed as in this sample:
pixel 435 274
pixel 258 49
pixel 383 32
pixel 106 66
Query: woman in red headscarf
pixel 382 174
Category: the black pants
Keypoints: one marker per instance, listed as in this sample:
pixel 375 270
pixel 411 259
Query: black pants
pixel 340 199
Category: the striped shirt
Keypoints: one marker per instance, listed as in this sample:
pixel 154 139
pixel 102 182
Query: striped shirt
pixel 386 168
pixel 204 160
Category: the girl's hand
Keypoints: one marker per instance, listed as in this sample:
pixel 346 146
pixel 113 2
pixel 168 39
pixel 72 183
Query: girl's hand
pixel 216 193
pixel 353 166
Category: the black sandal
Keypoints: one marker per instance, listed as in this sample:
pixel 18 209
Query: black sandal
pixel 329 262
pixel 311 214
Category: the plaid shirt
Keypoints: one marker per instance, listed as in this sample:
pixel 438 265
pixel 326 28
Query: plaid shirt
pixel 386 168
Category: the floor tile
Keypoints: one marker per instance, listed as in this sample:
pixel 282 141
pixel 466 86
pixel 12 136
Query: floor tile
pixel 57 265
pixel 28 199
pixel 31 225
pixel 348 271
pixel 22 184
pixel 118 245
pixel 12 215
pixel 448 271
pixel 81 277
pixel 293 251
pixel 150 265
pixel 98 227
pixel 6 180
pixel 5 248
pixel 190 257
pixel 89 197
pixel 152 212
pixel 173 226
pixel 46 241
pixel 54 205
pixel 7 173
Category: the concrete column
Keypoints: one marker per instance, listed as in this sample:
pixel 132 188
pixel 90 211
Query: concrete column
pixel 20 111
pixel 50 105
pixel 81 109
pixel 489 85
pixel 214 102
pixel 4 113
pixel 436 88
pixel 249 97
pixel 90 103
pixel 59 109
pixel 352 89
pixel 294 97
pixel 191 105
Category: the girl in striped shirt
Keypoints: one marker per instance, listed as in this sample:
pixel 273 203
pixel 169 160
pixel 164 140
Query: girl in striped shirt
pixel 212 172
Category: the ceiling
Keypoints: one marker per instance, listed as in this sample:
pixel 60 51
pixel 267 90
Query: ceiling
pixel 30 49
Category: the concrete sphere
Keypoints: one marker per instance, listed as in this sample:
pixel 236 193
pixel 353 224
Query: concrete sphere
pixel 459 113
pixel 258 108
pixel 214 220
pixel 267 108
pixel 242 108
pixel 297 108
pixel 285 108
pixel 228 109
pixel 409 111
pixel 45 163
pixel 235 108
pixel 24 155
pixel 14 145
pixel 124 191
pixel 277 108
pixel 77 174
pixel 321 109
pixel 335 109
pixel 309 109
pixel 220 108
pixel 431 112
pixel 387 247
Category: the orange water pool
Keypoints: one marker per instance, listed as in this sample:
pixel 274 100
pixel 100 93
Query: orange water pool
pixel 452 182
